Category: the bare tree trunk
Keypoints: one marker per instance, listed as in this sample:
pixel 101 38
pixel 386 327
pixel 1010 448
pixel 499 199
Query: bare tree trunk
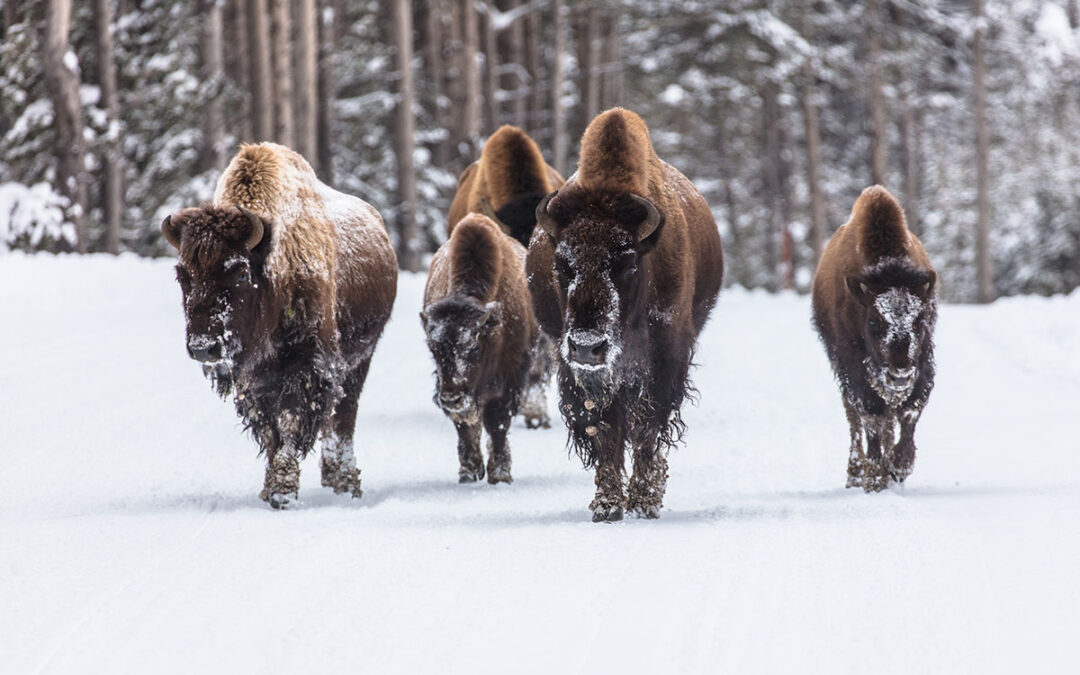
pixel 242 69
pixel 433 59
pixel 328 36
pixel 812 132
pixel 611 80
pixel 908 133
pixel 535 107
pixel 774 185
pixel 587 48
pixel 10 18
pixel 491 65
pixel 983 261
pixel 211 43
pixel 262 104
pixel 514 81
pixel 404 133
pixel 471 73
pixel 62 83
pixel 879 138
pixel 558 68
pixel 113 159
pixel 1073 12
pixel 281 39
pixel 307 81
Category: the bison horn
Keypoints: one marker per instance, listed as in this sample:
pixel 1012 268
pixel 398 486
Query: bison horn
pixel 172 234
pixel 256 228
pixel 652 219
pixel 490 213
pixel 543 220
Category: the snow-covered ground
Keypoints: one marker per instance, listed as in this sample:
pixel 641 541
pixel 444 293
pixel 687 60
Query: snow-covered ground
pixel 132 540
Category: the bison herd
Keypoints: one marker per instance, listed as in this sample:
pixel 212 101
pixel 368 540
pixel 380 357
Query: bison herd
pixel 603 281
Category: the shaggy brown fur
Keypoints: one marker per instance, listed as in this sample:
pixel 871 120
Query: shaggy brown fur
pixel 287 285
pixel 874 306
pixel 624 269
pixel 482 334
pixel 511 177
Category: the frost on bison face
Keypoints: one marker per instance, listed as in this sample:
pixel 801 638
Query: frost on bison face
pixel 218 283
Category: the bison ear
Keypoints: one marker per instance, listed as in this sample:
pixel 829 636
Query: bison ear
pixel 858 288
pixel 171 231
pixel 543 220
pixel 492 314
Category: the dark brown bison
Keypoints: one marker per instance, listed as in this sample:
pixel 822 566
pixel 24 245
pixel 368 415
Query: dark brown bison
pixel 287 285
pixel 481 331
pixel 875 309
pixel 624 269
pixel 506 184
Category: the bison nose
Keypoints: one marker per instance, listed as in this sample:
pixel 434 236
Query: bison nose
pixel 899 378
pixel 588 348
pixel 452 400
pixel 206 352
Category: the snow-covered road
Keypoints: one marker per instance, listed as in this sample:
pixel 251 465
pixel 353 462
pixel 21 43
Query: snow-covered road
pixel 132 539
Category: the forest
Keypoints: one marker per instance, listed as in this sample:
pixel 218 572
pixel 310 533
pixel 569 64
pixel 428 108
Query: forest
pixel 115 113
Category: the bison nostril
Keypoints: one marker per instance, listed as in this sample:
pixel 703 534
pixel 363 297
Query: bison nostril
pixel 589 349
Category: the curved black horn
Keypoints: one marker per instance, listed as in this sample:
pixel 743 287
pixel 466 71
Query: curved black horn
pixel 543 220
pixel 652 219
pixel 171 234
pixel 256 228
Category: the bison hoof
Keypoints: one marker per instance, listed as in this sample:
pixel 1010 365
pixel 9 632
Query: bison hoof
pixel 607 514
pixel 499 475
pixel 469 475
pixel 280 501
pixel 646 511
pixel 537 422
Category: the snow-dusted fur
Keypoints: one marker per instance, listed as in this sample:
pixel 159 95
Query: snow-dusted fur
pixel 874 306
pixel 624 268
pixel 482 334
pixel 287 285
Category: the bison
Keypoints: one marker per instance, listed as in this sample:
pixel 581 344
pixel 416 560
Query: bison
pixel 874 306
pixel 481 331
pixel 624 269
pixel 506 184
pixel 286 285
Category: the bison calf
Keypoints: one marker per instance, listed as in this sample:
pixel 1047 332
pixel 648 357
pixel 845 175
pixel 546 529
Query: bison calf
pixel 874 307
pixel 624 269
pixel 481 331
pixel 287 285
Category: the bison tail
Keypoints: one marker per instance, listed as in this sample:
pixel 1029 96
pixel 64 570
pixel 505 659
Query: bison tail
pixel 475 256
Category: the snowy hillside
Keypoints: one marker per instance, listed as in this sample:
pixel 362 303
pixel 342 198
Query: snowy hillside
pixel 132 540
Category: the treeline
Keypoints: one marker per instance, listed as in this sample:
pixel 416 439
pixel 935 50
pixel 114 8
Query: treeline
pixel 113 113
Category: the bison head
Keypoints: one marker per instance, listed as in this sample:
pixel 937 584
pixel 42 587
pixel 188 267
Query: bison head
pixel 897 311
pixel 221 254
pixel 600 241
pixel 456 329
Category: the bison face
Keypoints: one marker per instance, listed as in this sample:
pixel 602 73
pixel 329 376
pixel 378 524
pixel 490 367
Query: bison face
pixel 599 243
pixel 456 329
pixel 218 249
pixel 895 330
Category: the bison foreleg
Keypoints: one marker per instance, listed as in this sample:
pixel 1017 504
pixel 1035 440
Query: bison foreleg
pixel 338 461
pixel 469 456
pixel 282 483
pixel 879 435
pixel 497 416
pixel 534 404
pixel 608 503
pixel 649 482
pixel 902 458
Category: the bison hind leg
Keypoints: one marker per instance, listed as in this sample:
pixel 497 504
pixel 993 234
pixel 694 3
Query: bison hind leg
pixel 338 460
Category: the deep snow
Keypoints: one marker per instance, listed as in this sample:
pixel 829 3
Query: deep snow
pixel 132 540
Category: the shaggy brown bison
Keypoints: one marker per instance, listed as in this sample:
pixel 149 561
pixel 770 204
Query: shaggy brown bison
pixel 287 285
pixel 506 184
pixel 481 331
pixel 624 269
pixel 875 309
